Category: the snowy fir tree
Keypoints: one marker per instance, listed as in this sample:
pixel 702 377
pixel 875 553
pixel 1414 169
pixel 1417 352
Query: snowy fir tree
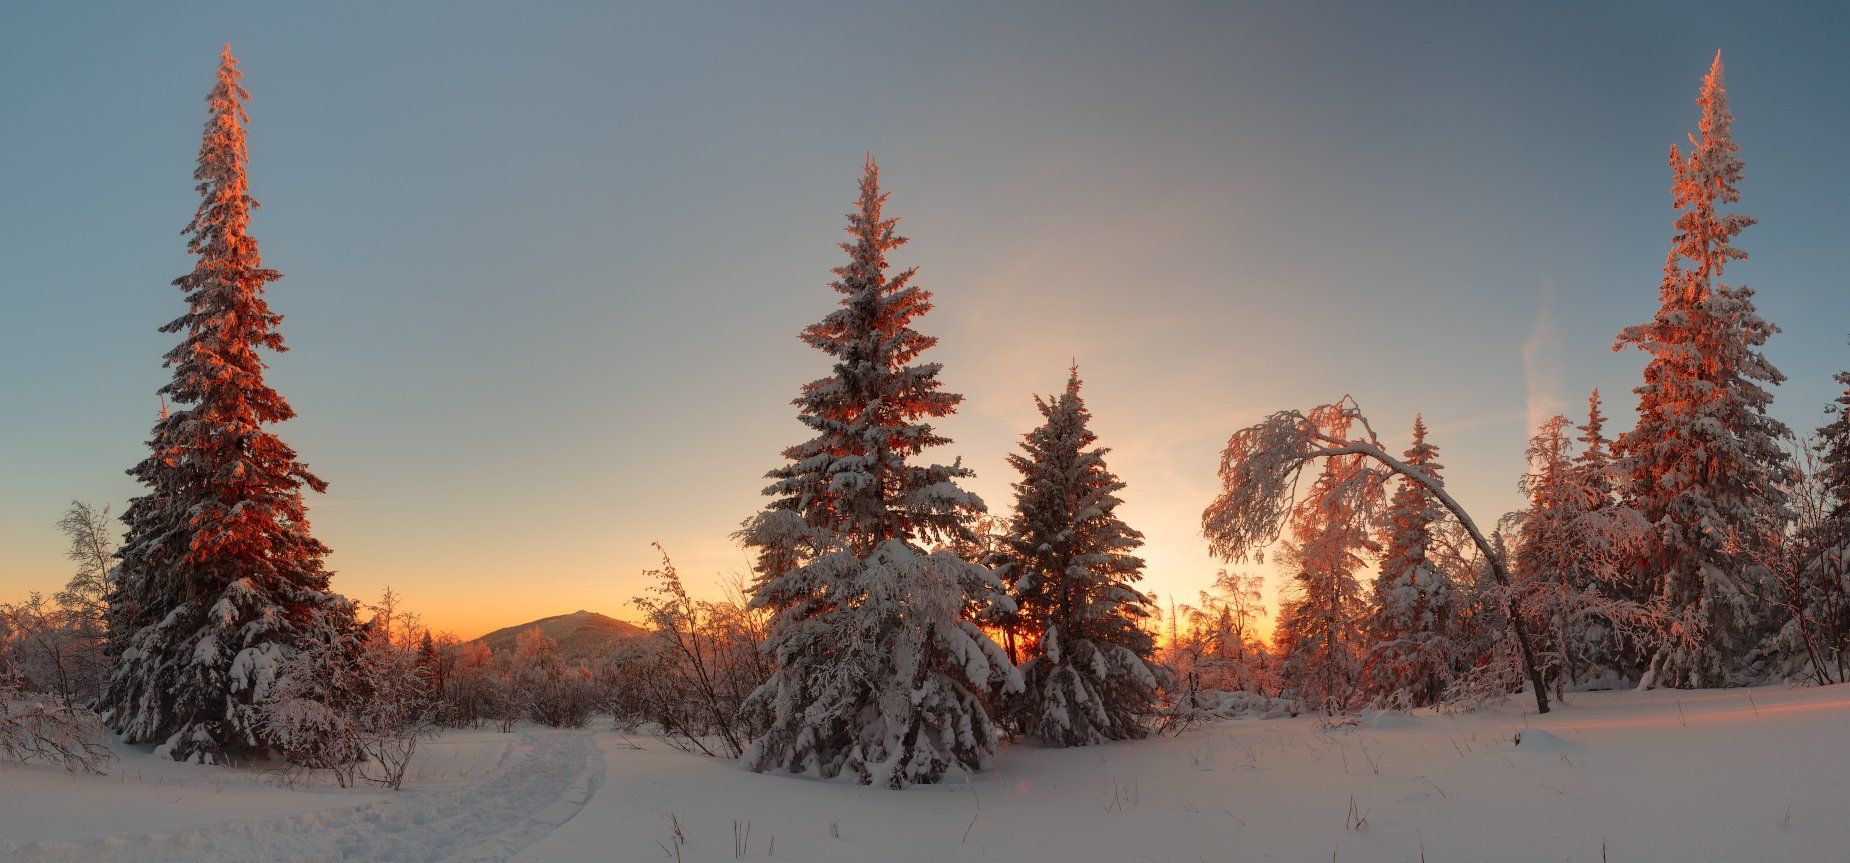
pixel 1705 460
pixel 1548 542
pixel 880 669
pixel 1594 469
pixel 1071 571
pixel 1323 619
pixel 1616 626
pixel 1570 543
pixel 219 575
pixel 1415 611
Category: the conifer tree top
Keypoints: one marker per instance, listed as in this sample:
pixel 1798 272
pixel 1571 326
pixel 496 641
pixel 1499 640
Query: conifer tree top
pixel 227 318
pixel 871 415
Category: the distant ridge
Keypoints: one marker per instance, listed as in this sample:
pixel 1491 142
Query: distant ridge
pixel 581 634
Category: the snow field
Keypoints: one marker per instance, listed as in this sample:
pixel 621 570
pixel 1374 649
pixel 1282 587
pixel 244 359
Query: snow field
pixel 1658 776
pixel 1711 775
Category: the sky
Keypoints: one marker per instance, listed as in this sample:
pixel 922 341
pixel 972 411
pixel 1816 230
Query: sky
pixel 544 266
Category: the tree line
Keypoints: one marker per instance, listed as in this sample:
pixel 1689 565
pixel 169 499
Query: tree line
pixel 892 630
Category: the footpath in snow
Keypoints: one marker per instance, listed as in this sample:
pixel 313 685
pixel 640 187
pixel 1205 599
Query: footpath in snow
pixel 454 809
pixel 1719 775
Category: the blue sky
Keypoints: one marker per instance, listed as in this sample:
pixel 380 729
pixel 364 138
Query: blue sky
pixel 544 267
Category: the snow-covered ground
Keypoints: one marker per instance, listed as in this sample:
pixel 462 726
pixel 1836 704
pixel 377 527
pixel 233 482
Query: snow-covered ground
pixel 1724 775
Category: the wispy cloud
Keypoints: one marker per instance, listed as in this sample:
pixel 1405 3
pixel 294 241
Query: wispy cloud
pixel 1541 361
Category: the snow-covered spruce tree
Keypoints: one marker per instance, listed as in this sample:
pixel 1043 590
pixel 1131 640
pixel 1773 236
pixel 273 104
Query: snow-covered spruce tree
pixel 1614 528
pixel 1324 614
pixel 1071 571
pixel 1548 543
pixel 1617 618
pixel 1705 460
pixel 1569 544
pixel 879 667
pixel 219 573
pixel 1415 612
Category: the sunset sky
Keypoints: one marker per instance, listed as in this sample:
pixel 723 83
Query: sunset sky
pixel 544 267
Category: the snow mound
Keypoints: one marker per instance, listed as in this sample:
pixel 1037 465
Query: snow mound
pixel 1537 740
pixel 1382 719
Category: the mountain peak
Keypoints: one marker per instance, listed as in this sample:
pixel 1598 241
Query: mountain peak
pixel 581 634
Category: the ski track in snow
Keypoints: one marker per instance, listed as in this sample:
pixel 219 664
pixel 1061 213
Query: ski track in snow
pixel 540 782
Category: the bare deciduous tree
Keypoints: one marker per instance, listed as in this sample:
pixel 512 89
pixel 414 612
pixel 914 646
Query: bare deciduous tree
pixel 701 661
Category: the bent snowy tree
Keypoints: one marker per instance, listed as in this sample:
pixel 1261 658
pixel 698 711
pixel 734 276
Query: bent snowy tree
pixel 1259 472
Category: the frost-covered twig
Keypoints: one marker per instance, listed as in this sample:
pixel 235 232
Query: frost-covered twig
pixel 39 729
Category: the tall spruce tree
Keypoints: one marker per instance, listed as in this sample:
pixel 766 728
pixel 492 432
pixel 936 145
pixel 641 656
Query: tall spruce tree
pixel 1705 460
pixel 1072 574
pixel 220 575
pixel 879 667
pixel 1415 610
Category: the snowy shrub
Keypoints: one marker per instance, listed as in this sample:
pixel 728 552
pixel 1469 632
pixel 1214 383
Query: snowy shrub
pixel 1811 566
pixel 1218 668
pixel 309 714
pixel 545 687
pixel 53 662
pixel 38 726
pixel 471 687
pixel 54 650
pixel 354 699
pixel 1210 705
pixel 690 678
pixel 1213 646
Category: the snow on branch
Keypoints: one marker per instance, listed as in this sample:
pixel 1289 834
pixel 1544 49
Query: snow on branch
pixel 1262 464
pixel 34 727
